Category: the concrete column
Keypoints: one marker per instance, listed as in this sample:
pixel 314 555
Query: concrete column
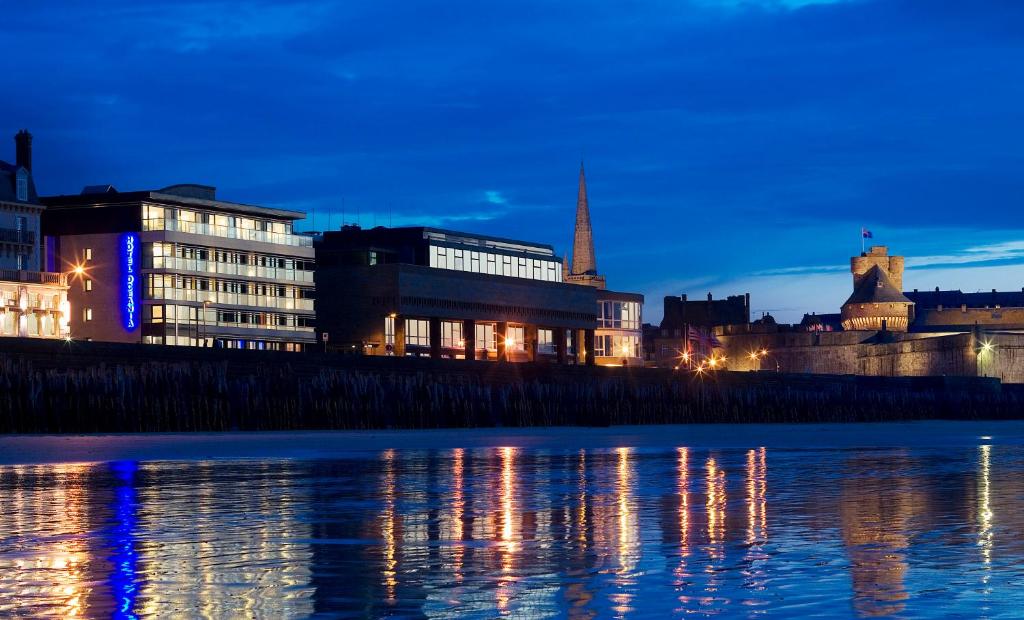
pixel 530 333
pixel 399 336
pixel 435 338
pixel 469 338
pixel 502 332
pixel 588 340
pixel 558 334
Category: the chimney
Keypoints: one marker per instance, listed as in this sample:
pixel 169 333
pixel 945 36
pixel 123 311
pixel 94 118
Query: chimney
pixel 23 150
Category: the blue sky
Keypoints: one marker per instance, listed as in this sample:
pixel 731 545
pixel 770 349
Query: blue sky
pixel 731 146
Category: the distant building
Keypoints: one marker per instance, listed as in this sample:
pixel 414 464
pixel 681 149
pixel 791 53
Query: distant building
pixel 33 302
pixel 177 266
pixel 687 327
pixel 877 301
pixel 619 337
pixel 956 311
pixel 419 291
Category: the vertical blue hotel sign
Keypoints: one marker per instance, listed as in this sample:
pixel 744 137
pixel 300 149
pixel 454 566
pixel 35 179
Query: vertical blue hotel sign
pixel 129 282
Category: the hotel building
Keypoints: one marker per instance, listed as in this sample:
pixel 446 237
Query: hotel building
pixel 619 336
pixel 177 266
pixel 444 294
pixel 33 303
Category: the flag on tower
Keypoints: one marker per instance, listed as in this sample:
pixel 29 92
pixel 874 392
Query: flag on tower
pixel 866 234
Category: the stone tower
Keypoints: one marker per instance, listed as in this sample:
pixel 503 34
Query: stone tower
pixel 877 300
pixel 584 260
pixel 878 255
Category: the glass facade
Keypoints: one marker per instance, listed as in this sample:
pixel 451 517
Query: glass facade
pixel 495 264
pixel 218 224
pixel 179 257
pixel 197 293
pixel 176 287
pixel 619 314
pixel 616 345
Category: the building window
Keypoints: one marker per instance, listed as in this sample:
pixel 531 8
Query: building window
pixel 88 253
pixel 485 337
pixel 515 338
pixel 22 185
pixel 607 345
pixel 389 331
pixel 87 314
pixel 618 314
pixel 87 285
pixel 545 341
pixel 451 335
pixel 417 333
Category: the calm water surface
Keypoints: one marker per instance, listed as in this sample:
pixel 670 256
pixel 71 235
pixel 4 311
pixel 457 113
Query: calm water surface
pixel 522 532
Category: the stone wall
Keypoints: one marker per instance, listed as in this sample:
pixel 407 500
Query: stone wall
pixel 803 352
pixel 866 354
pixel 951 355
pixel 962 316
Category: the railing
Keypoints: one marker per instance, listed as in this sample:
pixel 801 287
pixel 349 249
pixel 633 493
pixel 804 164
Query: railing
pixel 34 277
pixel 13 235
pixel 232 269
pixel 233 299
pixel 228 232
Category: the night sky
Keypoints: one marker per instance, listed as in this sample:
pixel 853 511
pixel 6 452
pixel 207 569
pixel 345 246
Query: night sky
pixel 730 146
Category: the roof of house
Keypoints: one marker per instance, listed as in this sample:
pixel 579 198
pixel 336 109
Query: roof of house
pixel 187 194
pixel 8 184
pixel 876 288
pixel 955 299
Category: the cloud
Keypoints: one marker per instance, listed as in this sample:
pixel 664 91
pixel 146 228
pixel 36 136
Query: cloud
pixel 494 197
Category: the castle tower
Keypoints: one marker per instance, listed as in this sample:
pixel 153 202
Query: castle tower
pixel 877 300
pixel 878 255
pixel 584 260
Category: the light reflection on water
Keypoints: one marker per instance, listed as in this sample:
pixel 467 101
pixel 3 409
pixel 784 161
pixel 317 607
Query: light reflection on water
pixel 520 532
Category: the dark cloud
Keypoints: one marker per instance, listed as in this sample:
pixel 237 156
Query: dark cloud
pixel 716 133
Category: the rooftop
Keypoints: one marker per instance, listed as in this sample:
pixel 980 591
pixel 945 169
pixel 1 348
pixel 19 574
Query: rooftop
pixel 957 298
pixel 187 195
pixel 876 288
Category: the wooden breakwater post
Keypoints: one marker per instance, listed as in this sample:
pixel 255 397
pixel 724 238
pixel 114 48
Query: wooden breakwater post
pixel 130 388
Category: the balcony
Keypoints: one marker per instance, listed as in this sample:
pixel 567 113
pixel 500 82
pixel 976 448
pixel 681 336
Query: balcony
pixel 34 277
pixel 13 235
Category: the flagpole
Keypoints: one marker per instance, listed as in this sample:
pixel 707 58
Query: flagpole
pixel 861 239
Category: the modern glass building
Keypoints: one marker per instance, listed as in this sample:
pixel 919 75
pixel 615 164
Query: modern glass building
pixel 177 266
pixel 428 292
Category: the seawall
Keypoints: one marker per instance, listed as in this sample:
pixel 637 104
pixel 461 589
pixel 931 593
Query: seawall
pixel 53 387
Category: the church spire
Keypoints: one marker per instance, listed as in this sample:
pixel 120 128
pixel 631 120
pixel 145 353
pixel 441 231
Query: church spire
pixel 583 259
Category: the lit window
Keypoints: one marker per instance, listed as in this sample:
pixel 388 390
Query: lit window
pixel 87 315
pixel 485 337
pixel 451 335
pixel 417 332
pixel 515 338
pixel 88 253
pixel 87 284
pixel 389 331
